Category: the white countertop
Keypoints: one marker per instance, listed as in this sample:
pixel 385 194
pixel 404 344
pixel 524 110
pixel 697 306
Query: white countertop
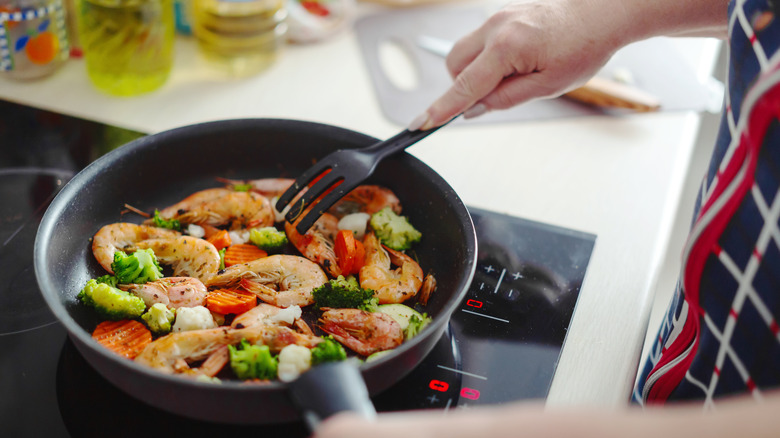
pixel 617 177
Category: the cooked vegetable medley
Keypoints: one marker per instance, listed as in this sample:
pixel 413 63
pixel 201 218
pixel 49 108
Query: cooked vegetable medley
pixel 217 286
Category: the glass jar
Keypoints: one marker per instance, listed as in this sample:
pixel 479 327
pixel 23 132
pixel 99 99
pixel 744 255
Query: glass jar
pixel 242 37
pixel 127 44
pixel 33 37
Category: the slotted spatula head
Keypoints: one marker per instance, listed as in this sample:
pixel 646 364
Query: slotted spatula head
pixel 335 175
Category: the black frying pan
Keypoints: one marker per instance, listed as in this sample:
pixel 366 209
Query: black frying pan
pixel 160 169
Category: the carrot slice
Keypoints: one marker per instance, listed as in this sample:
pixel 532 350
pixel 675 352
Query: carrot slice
pixel 344 246
pixel 233 301
pixel 126 338
pixel 242 253
pixel 220 239
pixel 360 257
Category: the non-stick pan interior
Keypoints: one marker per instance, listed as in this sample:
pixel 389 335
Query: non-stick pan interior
pixel 158 170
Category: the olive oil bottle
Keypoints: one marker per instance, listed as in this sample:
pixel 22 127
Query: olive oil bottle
pixel 127 44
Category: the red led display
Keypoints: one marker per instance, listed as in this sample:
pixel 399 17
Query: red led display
pixel 469 393
pixel 474 303
pixel 438 385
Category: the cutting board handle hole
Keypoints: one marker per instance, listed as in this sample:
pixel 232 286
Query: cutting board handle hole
pixel 398 64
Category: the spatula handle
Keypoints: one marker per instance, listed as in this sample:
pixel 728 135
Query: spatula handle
pixel 328 389
pixel 400 141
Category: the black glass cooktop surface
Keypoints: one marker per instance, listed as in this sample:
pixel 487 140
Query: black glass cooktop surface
pixel 502 343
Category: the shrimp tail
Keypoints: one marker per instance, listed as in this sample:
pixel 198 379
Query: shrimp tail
pixel 263 292
pixel 342 335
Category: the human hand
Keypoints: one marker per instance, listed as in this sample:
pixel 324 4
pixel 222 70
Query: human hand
pixel 527 50
pixel 543 48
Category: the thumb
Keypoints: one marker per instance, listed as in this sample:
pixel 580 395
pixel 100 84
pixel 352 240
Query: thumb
pixel 473 83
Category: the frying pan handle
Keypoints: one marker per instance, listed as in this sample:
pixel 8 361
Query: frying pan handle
pixel 328 389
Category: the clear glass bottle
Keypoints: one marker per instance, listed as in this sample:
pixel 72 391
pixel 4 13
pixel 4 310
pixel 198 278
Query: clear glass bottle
pixel 242 37
pixel 127 44
pixel 33 37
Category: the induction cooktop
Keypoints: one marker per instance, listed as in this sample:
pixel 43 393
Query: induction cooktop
pixel 502 344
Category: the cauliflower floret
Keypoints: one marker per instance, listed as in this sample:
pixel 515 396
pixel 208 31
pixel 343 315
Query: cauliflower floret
pixel 193 318
pixel 287 315
pixel 206 379
pixel 355 222
pixel 293 360
pixel 196 231
pixel 238 237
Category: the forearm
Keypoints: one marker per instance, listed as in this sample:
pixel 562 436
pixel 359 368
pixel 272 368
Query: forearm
pixel 642 19
pixel 542 48
pixel 742 417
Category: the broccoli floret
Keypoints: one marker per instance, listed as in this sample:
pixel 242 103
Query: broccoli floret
pixel 394 231
pixel 342 293
pixel 416 324
pixel 329 350
pixel 252 361
pixel 108 279
pixel 159 318
pixel 268 239
pixel 110 302
pixel 138 267
pixel 222 258
pixel 172 224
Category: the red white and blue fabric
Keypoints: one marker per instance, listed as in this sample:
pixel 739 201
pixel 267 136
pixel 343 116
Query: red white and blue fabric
pixel 720 336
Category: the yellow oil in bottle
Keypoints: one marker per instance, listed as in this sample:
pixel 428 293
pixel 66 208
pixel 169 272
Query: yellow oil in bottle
pixel 242 37
pixel 127 44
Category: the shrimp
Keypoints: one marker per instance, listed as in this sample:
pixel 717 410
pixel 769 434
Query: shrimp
pixel 174 292
pixel 271 188
pixel 174 352
pixel 366 199
pixel 268 187
pixel 390 286
pixel 189 256
pixel 221 206
pixel 363 332
pixel 255 316
pixel 317 244
pixel 281 280
pixel 267 314
pixel 122 235
pixel 428 286
pixel 214 363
